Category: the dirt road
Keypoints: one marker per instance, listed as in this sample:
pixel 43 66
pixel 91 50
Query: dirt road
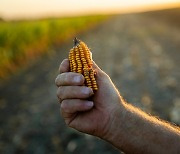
pixel 141 55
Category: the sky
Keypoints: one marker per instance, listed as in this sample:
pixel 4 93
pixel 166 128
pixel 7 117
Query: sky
pixel 12 9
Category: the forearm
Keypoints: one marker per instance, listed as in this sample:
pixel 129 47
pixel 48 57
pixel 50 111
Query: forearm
pixel 133 131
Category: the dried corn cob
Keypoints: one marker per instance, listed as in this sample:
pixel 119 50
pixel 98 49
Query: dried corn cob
pixel 81 62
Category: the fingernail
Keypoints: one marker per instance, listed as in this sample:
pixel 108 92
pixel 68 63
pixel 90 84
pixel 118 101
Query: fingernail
pixel 77 79
pixel 89 103
pixel 86 91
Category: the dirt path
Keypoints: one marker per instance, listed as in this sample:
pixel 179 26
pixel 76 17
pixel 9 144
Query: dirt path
pixel 139 53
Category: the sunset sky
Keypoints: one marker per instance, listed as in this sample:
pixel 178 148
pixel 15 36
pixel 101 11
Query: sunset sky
pixel 11 9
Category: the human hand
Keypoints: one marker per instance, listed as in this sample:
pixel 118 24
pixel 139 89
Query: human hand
pixel 81 109
pixel 106 115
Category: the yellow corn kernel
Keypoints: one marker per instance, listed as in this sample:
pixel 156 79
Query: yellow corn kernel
pixel 81 62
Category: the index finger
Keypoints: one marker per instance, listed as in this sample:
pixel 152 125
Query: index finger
pixel 64 66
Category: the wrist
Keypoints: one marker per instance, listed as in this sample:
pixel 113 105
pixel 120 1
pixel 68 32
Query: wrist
pixel 115 132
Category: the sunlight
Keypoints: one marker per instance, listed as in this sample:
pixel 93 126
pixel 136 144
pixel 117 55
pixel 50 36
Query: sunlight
pixel 10 9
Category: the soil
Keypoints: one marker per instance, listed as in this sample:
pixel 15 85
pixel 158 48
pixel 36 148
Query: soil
pixel 140 52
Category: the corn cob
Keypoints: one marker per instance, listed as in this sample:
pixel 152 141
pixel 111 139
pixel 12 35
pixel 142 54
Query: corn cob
pixel 81 62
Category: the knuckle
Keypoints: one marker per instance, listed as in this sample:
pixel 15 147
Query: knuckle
pixel 60 92
pixel 62 65
pixel 72 78
pixel 57 79
pixel 57 92
pixel 64 106
pixel 66 78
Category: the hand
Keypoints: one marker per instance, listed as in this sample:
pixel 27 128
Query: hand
pixel 81 109
pixel 106 115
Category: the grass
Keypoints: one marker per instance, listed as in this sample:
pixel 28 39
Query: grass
pixel 22 41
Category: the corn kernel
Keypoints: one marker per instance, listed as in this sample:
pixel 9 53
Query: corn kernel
pixel 81 62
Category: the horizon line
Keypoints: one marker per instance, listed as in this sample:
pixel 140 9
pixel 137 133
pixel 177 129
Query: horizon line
pixel 137 9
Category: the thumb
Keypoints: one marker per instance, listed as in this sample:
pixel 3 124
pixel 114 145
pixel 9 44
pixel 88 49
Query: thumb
pixel 103 80
pixel 95 66
pixel 99 71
